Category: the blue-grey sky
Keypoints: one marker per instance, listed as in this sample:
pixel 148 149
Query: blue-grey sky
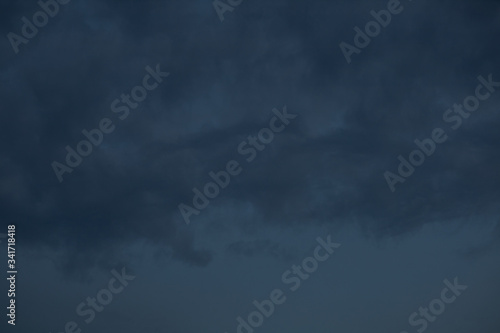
pixel 324 173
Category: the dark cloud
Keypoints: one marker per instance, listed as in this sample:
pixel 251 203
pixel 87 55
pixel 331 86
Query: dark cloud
pixel 324 170
pixel 225 78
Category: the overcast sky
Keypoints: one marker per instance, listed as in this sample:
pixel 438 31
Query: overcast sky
pixel 325 173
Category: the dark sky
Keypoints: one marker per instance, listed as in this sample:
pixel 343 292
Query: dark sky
pixel 321 175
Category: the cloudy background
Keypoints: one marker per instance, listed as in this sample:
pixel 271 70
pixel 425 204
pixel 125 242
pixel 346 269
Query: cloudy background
pixel 323 175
